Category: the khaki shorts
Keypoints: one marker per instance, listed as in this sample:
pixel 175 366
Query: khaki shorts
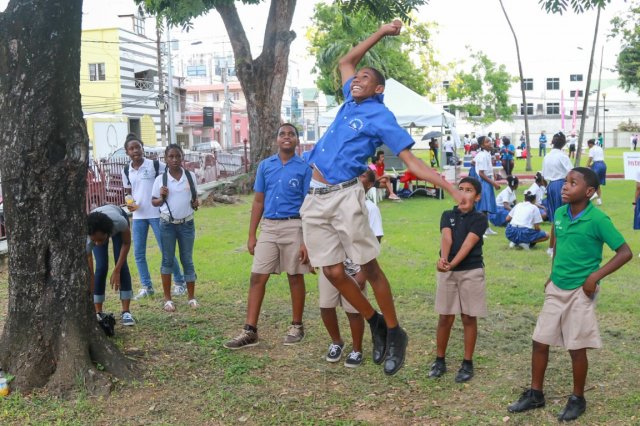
pixel 278 248
pixel 337 223
pixel 568 319
pixel 330 297
pixel 462 292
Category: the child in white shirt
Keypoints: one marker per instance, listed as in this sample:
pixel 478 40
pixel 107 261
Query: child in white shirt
pixel 524 224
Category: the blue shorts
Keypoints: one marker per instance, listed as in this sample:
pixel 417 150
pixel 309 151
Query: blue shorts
pixel 499 218
pixel 600 168
pixel 519 235
pixel 487 201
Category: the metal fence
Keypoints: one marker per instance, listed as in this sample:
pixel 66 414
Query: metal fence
pixel 104 179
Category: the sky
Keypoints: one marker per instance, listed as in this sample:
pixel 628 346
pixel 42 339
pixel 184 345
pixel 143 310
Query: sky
pixel 545 40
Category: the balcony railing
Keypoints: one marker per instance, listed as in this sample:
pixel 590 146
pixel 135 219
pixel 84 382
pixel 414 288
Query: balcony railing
pixel 143 84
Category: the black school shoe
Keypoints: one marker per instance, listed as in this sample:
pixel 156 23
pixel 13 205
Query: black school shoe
pixel 379 339
pixel 465 373
pixel 576 406
pixel 528 401
pixel 438 368
pixel 396 350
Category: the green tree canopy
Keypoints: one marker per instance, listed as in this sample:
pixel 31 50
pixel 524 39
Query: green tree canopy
pixel 627 29
pixel 482 91
pixel 578 6
pixel 408 58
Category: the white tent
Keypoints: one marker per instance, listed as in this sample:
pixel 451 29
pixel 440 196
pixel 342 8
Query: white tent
pixel 410 109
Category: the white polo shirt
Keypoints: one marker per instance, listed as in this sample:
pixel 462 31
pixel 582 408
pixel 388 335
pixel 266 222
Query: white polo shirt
pixel 506 196
pixel 448 146
pixel 375 218
pixel 540 192
pixel 483 162
pixel 596 153
pixel 525 215
pixel 556 165
pixel 179 197
pixel 141 186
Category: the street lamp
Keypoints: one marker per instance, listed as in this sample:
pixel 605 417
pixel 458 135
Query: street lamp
pixel 604 117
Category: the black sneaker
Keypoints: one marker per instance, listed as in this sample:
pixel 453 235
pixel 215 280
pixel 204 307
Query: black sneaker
pixel 335 352
pixel 465 373
pixel 438 368
pixel 576 406
pixel 528 401
pixel 396 350
pixel 379 340
pixel 353 360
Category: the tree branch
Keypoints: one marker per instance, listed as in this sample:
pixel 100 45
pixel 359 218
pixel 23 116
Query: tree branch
pixel 237 35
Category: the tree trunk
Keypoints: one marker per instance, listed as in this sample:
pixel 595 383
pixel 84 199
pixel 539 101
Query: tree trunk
pixel 264 78
pixel 50 338
pixel 585 104
pixel 524 95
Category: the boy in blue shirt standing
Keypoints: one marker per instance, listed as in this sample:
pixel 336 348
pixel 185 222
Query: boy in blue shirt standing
pixel 568 316
pixel 334 216
pixel 282 181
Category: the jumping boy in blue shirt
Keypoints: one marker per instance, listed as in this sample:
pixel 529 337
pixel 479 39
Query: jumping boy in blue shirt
pixel 334 216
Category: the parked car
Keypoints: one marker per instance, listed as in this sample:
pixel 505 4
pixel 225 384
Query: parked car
pixel 212 146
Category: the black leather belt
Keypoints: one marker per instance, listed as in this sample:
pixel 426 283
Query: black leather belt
pixel 331 188
pixel 283 218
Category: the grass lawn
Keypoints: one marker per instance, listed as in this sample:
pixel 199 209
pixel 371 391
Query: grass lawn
pixel 190 379
pixel 613 158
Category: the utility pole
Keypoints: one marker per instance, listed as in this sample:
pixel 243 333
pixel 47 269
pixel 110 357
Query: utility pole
pixel 172 117
pixel 596 118
pixel 160 103
pixel 227 103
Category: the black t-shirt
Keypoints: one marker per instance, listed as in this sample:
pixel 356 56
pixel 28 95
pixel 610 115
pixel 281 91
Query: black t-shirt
pixel 461 224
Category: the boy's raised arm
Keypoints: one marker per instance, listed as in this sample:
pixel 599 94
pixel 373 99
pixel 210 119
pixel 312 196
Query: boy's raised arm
pixel 347 64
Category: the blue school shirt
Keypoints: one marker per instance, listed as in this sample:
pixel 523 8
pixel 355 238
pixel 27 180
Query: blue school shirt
pixel 284 185
pixel 357 131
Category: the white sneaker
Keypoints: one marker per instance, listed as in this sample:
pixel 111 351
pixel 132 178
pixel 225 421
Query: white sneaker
pixel 512 244
pixel 127 319
pixel 550 252
pixel 490 231
pixel 524 246
pixel 179 290
pixel 144 292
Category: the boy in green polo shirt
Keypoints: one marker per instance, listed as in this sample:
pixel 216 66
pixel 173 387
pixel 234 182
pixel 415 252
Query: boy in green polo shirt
pixel 568 315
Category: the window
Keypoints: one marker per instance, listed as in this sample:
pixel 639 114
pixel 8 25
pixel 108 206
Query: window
pixel 138 25
pixel 96 72
pixel 553 84
pixel 553 108
pixel 445 84
pixel 529 109
pixel 578 113
pixel 575 77
pixel 236 96
pixel 195 97
pixel 196 71
pixel 527 84
pixel 573 93
pixel 216 97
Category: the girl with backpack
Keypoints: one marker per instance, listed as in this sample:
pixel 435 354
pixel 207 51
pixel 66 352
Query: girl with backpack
pixel 137 179
pixel 175 193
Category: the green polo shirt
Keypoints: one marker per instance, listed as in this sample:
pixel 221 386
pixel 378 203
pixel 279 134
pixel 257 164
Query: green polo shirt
pixel 579 245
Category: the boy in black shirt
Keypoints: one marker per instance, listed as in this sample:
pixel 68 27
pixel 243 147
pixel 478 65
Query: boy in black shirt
pixel 461 283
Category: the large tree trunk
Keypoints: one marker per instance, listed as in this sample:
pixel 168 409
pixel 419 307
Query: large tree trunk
pixel 51 337
pixel 264 78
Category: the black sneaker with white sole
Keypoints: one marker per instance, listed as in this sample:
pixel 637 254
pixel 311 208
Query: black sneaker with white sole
pixel 354 359
pixel 335 352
